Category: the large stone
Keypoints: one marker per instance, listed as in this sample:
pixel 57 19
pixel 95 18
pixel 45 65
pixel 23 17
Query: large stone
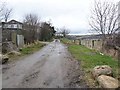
pixel 3 58
pixel 107 81
pixel 102 70
pixel 8 47
pixel 14 53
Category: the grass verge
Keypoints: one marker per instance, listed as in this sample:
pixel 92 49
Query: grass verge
pixel 27 50
pixel 31 48
pixel 89 59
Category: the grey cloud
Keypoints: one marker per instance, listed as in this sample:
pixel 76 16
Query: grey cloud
pixel 70 13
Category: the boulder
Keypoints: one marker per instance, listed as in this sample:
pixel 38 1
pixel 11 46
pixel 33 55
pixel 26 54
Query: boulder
pixel 28 46
pixel 107 81
pixel 14 53
pixel 8 47
pixel 3 58
pixel 102 70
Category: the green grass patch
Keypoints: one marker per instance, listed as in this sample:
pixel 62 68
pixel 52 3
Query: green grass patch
pixel 28 49
pixel 31 48
pixel 90 58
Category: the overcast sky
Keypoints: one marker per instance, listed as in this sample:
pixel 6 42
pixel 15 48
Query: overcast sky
pixel 72 14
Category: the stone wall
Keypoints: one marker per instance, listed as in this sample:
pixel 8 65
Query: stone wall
pixel 77 42
pixel 97 45
pixel 111 52
pixel 92 44
pixel 87 43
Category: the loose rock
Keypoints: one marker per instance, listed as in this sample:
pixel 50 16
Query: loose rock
pixel 102 70
pixel 14 53
pixel 3 58
pixel 8 47
pixel 107 81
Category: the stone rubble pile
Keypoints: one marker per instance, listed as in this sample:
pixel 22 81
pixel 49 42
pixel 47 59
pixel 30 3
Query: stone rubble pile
pixel 104 76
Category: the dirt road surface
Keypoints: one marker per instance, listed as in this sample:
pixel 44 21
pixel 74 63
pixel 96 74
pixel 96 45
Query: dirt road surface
pixel 51 67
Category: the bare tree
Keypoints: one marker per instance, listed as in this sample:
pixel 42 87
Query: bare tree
pixel 2 7
pixel 104 18
pixel 31 24
pixel 65 31
pixel 7 14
